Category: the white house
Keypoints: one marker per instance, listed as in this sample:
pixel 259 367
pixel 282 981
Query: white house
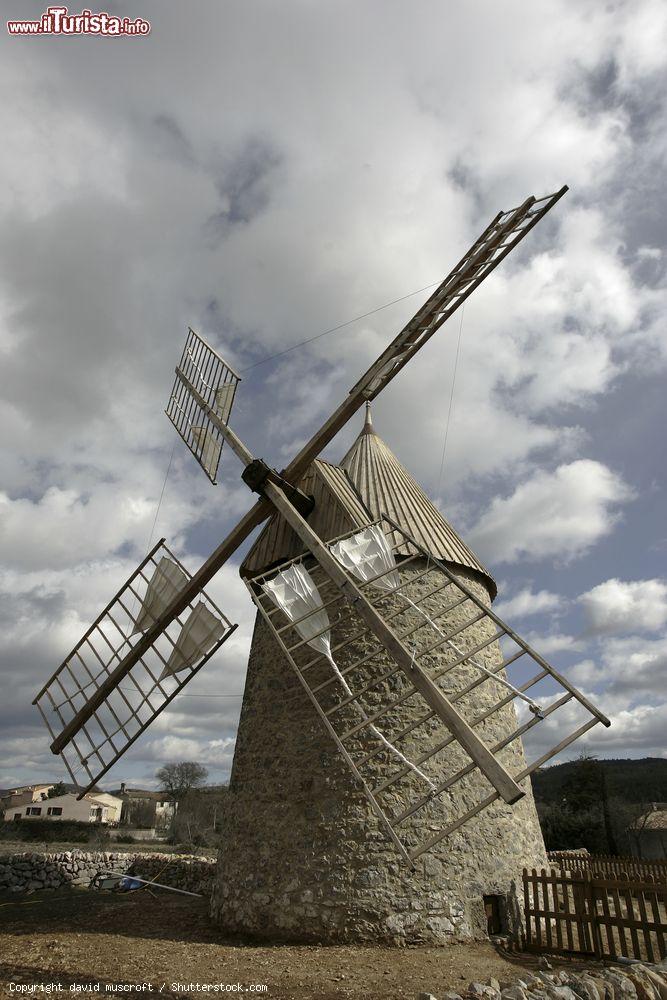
pixel 96 807
pixel 11 797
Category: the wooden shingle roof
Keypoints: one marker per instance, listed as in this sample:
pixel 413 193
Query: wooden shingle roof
pixel 386 487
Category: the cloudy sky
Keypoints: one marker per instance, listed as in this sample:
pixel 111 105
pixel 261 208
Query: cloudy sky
pixel 264 172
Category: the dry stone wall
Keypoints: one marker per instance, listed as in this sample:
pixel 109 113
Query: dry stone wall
pixel 304 856
pixel 637 981
pixel 30 870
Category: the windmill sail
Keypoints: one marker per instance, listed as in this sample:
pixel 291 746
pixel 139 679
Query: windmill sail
pixel 208 449
pixel 380 696
pixel 123 712
pixel 216 382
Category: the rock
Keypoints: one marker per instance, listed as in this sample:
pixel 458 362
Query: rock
pixel 426 996
pixel 565 992
pixel 644 987
pixel 546 979
pixel 585 987
pixel 513 993
pixel 656 980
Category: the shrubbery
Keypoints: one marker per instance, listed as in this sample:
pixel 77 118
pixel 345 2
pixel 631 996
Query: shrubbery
pixel 46 831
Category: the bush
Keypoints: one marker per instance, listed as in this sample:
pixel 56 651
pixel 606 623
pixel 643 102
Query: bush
pixel 45 830
pixel 125 838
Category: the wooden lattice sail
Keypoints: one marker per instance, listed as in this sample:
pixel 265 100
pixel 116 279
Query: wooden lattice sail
pixel 354 703
pixel 122 712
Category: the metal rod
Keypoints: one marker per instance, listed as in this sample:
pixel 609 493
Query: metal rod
pixel 158 885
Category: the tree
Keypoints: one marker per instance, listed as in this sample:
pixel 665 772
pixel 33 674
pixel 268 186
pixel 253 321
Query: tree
pixel 583 818
pixel 178 779
pixel 58 789
pixel 198 820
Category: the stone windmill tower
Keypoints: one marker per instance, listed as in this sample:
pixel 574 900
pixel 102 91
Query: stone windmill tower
pixel 303 855
pixel 380 789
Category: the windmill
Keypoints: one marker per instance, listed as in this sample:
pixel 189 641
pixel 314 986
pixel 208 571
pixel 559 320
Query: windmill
pixel 384 640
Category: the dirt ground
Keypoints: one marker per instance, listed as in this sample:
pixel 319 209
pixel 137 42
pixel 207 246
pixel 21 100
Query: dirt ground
pixel 79 937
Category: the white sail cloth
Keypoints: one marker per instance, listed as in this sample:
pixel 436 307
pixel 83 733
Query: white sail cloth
pixel 210 448
pixel 198 636
pixel 368 556
pixel 293 590
pixel 166 581
pixel 224 397
pixel 201 630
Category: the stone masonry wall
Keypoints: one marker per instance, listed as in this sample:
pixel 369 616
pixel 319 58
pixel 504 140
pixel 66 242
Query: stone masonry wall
pixel 30 870
pixel 304 856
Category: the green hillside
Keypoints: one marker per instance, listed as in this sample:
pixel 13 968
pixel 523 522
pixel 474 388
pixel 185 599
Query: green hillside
pixel 591 803
pixel 632 781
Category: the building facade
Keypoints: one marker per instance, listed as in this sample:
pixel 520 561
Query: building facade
pixel 92 808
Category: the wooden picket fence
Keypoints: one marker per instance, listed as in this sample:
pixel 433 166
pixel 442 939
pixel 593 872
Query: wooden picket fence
pixel 589 915
pixel 607 865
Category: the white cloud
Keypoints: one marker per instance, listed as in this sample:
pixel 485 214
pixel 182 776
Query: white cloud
pixel 557 514
pixel 618 606
pixel 527 602
pixel 554 642
pixel 633 668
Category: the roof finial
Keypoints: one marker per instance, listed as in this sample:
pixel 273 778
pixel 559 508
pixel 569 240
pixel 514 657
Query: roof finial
pixel 368 423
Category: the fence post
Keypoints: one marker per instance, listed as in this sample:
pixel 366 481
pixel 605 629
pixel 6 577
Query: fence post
pixel 596 933
pixel 581 892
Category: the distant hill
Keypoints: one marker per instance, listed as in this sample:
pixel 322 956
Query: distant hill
pixel 633 781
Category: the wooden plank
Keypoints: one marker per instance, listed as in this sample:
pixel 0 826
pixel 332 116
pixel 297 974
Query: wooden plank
pixel 630 919
pixel 569 916
pixel 607 922
pixel 648 941
pixel 618 922
pixel 579 893
pixel 544 884
pixel 557 887
pixel 538 928
pixel 527 910
pixel 656 897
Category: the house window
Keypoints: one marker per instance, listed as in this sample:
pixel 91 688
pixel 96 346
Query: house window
pixel 34 811
pixel 18 816
pixel 54 811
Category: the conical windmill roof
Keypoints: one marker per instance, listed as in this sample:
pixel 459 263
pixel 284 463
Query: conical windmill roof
pixel 386 487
